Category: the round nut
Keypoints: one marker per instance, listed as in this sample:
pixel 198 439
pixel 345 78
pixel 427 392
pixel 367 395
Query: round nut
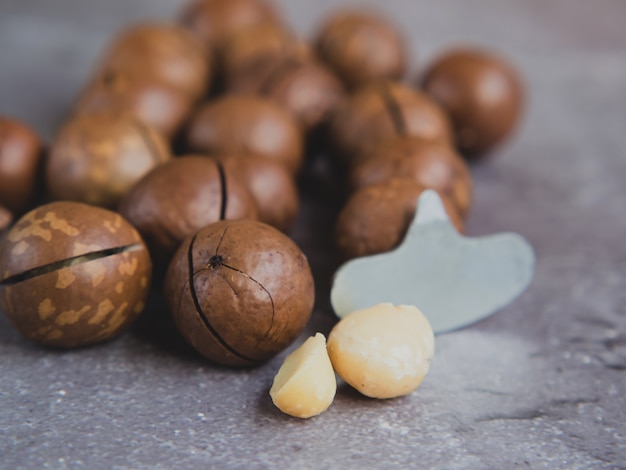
pixel 178 198
pixel 384 110
pixel 376 218
pixel 382 351
pixel 237 124
pixel 433 165
pixel 72 274
pixel 362 47
pixel 239 292
pixel 164 52
pixel 271 185
pixel 482 94
pixel 215 21
pixel 97 158
pixel 305 385
pixel 20 152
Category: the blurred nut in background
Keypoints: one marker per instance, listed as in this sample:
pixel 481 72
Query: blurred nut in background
pixel 237 124
pixel 20 155
pixel 5 218
pixel 272 186
pixel 178 198
pixel 97 158
pixel 362 47
pixel 72 274
pixel 482 94
pixel 215 21
pixel 433 165
pixel 380 111
pixel 376 218
pixel 165 52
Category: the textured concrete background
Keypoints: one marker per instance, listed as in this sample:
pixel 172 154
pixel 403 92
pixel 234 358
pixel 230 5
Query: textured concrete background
pixel 541 384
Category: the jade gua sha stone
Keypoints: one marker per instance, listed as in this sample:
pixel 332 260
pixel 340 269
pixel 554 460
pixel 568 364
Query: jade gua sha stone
pixel 454 280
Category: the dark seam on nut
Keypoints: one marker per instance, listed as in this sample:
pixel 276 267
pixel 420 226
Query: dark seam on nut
pixel 196 303
pixel 219 243
pixel 393 109
pixel 275 75
pixel 262 287
pixel 66 263
pixel 224 189
pixel 147 140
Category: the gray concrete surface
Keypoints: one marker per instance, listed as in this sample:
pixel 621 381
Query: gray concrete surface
pixel 540 384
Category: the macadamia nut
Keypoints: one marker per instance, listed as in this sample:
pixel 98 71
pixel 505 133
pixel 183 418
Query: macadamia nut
pixel 382 351
pixel 305 384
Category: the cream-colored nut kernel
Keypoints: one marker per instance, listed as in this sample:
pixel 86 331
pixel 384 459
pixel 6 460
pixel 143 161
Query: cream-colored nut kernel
pixel 305 384
pixel 382 351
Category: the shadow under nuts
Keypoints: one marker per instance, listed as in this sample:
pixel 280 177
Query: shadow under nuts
pixel 239 292
pixel 72 274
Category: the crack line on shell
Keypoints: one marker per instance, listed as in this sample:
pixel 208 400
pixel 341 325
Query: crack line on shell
pixel 147 140
pixel 262 287
pixel 277 74
pixel 222 174
pixel 196 303
pixel 394 109
pixel 68 262
pixel 219 243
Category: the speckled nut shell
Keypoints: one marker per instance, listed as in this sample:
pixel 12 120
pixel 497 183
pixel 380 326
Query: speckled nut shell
pixel 237 124
pixel 97 158
pixel 433 165
pixel 154 103
pixel 5 219
pixel 376 218
pixel 164 52
pixel 305 87
pixel 482 94
pixel 270 184
pixel 215 21
pixel 72 274
pixel 361 47
pixel 178 198
pixel 380 111
pixel 240 292
pixel 20 152
pixel 267 41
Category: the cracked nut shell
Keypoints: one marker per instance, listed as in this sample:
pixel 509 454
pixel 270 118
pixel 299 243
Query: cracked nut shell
pixel 384 110
pixel 376 218
pixel 482 94
pixel 361 47
pixel 239 292
pixel 433 165
pixel 97 158
pixel 237 124
pixel 20 154
pixel 178 198
pixel 72 274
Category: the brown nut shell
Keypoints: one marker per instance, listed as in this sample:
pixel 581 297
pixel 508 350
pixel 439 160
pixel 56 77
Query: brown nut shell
pixel 259 43
pixel 72 274
pixel 381 111
pixel 307 88
pixel 238 124
pixel 97 158
pixel 362 47
pixel 433 165
pixel 178 198
pixel 215 21
pixel 20 154
pixel 376 218
pixel 271 185
pixel 239 292
pixel 165 52
pixel 152 102
pixel 5 218
pixel 482 94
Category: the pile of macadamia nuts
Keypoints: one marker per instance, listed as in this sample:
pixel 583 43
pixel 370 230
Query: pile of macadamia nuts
pixel 237 96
